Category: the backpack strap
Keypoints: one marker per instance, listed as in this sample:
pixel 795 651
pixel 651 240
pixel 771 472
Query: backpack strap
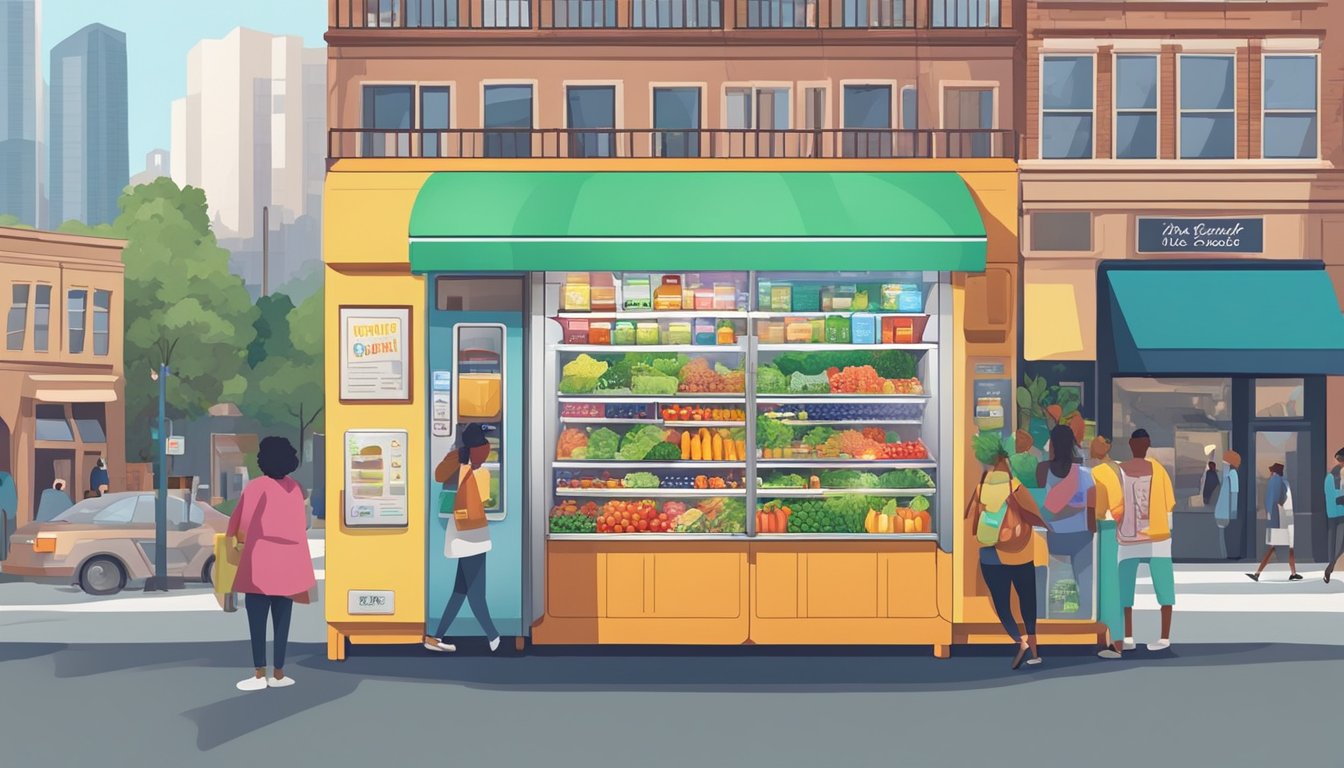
pixel 970 503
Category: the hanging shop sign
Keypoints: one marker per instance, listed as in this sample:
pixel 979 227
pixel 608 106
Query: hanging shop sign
pixel 1158 234
pixel 376 478
pixel 376 354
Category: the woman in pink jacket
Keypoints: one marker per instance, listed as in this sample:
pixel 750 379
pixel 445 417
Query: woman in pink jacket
pixel 275 566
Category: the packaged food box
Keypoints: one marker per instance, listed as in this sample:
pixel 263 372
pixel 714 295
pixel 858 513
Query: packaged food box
pixel 646 333
pixel 818 330
pixel 603 298
pixel 726 332
pixel 576 331
pixel 806 298
pixel 911 299
pixel 624 333
pixel 667 297
pixel 725 296
pixel 860 300
pixel 479 395
pixel 763 288
pixel 577 296
pixel 863 328
pixel 677 333
pixel 837 329
pixel 638 295
pixel 771 331
pixel 704 331
pixel 842 298
pixel 904 330
pixel 781 298
pixel 704 299
pixel 599 333
pixel 891 297
pixel 798 330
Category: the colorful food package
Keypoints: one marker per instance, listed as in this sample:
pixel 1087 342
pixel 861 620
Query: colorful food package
pixel 667 297
pixel 624 333
pixel 725 296
pixel 576 331
pixel 677 333
pixel 798 330
pixel 863 328
pixel 578 293
pixel 599 333
pixel 806 298
pixel 638 295
pixel 911 299
pixel 704 331
pixel 479 395
pixel 781 297
pixel 646 333
pixel 726 333
pixel 704 298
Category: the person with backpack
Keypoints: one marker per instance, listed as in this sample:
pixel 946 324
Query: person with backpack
pixel 1144 532
pixel 1002 514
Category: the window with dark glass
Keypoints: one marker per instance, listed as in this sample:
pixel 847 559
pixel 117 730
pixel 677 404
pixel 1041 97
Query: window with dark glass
pixel 388 116
pixel 508 121
pixel 435 119
pixel 676 122
pixel 102 323
pixel 17 322
pixel 1208 108
pixel 42 318
pixel 1061 231
pixel 867 121
pixel 52 424
pixel 1066 107
pixel 590 116
pixel 965 13
pixel 90 419
pixel 676 14
pixel 76 307
pixel 1136 107
pixel 584 14
pixel 1290 119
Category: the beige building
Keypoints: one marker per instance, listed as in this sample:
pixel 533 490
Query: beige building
pixel 249 132
pixel 1176 160
pixel 62 406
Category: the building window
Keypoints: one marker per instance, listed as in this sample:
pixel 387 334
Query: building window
pixel 583 14
pixel 41 318
pixel 867 116
pixel 814 108
pixel 590 116
pixel 1280 398
pixel 435 119
pixel 17 323
pixel 948 14
pixel 510 14
pixel 676 14
pixel 676 122
pixel 90 420
pixel 781 14
pixel 1208 105
pixel 431 13
pixel 1290 120
pixel 389 114
pixel 969 114
pixel 102 310
pixel 908 142
pixel 1136 107
pixel 76 306
pixel 1066 107
pixel 508 121
pixel 1061 231
pixel 52 424
pixel 760 111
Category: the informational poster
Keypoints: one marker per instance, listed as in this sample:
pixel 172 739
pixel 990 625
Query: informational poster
pixel 376 354
pixel 994 397
pixel 375 478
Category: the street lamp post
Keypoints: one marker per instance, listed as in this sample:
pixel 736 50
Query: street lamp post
pixel 159 583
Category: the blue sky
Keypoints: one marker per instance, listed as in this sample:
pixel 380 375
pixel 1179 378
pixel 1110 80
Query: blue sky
pixel 159 33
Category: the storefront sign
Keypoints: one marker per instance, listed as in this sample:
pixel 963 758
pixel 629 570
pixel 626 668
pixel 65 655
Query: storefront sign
pixel 375 478
pixel 375 602
pixel 376 354
pixel 1163 235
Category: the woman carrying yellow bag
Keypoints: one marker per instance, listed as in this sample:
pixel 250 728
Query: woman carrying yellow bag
pixel 226 569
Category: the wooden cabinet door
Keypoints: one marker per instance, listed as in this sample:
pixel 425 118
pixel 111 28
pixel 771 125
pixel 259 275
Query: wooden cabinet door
pixel 571 584
pixel 697 585
pixel 776 585
pixel 912 584
pixel 626 585
pixel 842 585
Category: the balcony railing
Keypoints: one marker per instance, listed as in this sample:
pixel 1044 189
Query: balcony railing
pixel 346 143
pixel 668 14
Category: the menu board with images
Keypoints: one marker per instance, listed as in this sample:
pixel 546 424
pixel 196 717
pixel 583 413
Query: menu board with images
pixel 375 354
pixel 375 478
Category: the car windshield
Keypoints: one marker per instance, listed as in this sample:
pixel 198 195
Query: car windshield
pixel 105 509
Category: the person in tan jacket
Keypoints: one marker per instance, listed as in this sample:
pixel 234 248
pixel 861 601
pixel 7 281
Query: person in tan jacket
pixel 467 538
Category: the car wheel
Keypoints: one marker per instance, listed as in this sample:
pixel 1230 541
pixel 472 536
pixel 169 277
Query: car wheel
pixel 102 576
pixel 208 572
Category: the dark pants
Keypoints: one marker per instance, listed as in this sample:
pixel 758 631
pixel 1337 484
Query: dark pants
pixel 470 586
pixel 1002 580
pixel 1333 548
pixel 280 608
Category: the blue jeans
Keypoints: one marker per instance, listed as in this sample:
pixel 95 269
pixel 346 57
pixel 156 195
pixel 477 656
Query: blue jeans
pixel 1002 581
pixel 1078 548
pixel 280 609
pixel 469 587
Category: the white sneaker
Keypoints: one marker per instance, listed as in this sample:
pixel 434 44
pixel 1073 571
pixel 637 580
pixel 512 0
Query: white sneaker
pixel 440 647
pixel 279 682
pixel 1110 654
pixel 494 644
pixel 1034 661
pixel 252 683
pixel 1129 644
pixel 1160 645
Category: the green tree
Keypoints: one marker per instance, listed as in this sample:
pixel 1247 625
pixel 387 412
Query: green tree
pixel 272 327
pixel 286 387
pixel 12 221
pixel 183 306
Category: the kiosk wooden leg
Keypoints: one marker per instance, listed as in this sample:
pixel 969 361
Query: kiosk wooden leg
pixel 335 644
pixel 942 651
pixel 518 643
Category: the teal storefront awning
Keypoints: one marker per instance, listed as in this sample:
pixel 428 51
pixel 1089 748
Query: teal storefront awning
pixel 695 221
pixel 1256 319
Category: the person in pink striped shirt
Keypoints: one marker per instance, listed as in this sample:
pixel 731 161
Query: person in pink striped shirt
pixel 271 524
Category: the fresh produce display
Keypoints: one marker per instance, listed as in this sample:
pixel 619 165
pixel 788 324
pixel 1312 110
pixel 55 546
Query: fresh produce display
pixel 649 480
pixel 582 410
pixel 602 445
pixel 849 412
pixel 641 480
pixel 702 413
pixel 1064 596
pixel 572 444
pixel 906 478
pixel 569 517
pixel 802 384
pixel 624 410
pixel 699 376
pixel 771 435
pixel 581 375
pixel 893 518
pixel 777 441
pixel 653 384
pixel 849 478
pixel 663 451
pixel 864 380
pixel 638 441
pixel 773 517
pixel 642 516
pixel 818 436
pixel 889 364
pixel 841 514
pixel 782 480
pixel 712 445
pixel 715 515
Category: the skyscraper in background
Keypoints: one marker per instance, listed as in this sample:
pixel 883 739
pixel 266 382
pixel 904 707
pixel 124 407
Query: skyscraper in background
pixel 89 145
pixel 20 110
pixel 249 132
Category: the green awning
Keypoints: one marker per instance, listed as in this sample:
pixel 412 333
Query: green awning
pixel 1259 319
pixel 695 221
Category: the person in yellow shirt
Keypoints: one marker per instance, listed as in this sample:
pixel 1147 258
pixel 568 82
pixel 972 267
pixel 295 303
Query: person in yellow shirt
pixel 1109 502
pixel 1144 532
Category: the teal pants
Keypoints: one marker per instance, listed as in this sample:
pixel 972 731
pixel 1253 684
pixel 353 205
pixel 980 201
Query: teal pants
pixel 1110 611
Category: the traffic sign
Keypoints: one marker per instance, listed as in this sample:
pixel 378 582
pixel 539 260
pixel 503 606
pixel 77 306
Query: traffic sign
pixel 177 445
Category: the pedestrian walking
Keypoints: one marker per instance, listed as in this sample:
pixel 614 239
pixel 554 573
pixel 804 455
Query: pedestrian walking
pixel 9 511
pixel 99 481
pixel 53 502
pixel 1144 532
pixel 1279 531
pixel 1225 505
pixel 1109 503
pixel 1334 511
pixel 466 486
pixel 1002 513
pixel 275 568
pixel 1069 499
